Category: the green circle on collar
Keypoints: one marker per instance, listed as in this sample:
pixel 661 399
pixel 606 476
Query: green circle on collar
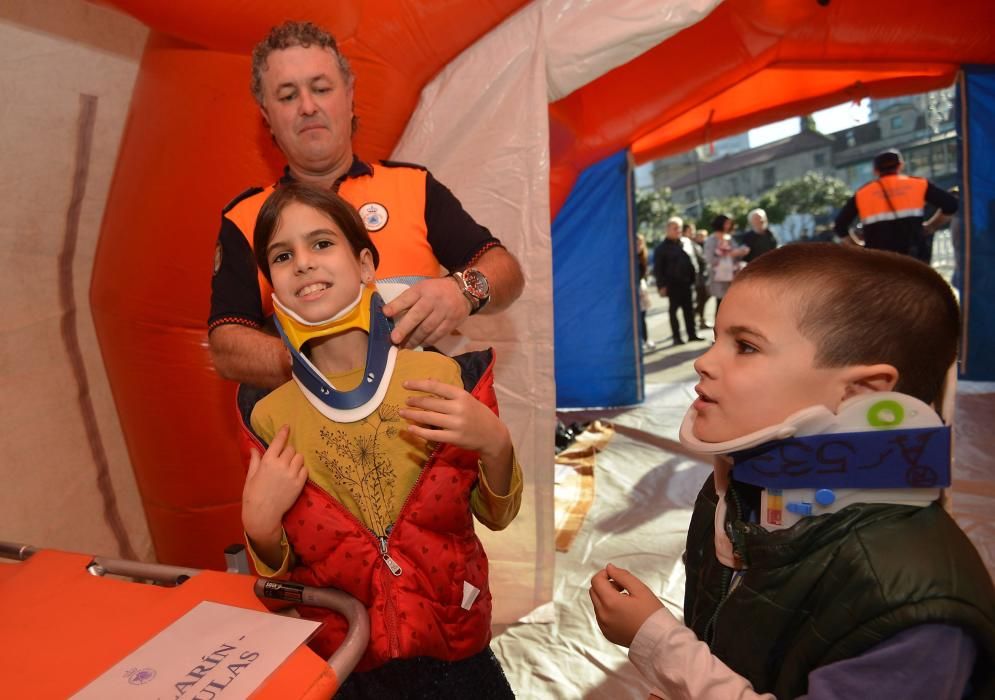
pixel 886 414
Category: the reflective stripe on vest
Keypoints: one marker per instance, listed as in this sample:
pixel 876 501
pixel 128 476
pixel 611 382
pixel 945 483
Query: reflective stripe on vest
pixel 906 198
pixel 402 242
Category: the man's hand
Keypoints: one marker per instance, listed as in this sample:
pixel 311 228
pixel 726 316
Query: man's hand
pixel 662 290
pixel 427 311
pixel 622 603
pixel 272 485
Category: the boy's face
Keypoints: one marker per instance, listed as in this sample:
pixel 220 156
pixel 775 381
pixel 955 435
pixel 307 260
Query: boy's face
pixel 314 270
pixel 761 368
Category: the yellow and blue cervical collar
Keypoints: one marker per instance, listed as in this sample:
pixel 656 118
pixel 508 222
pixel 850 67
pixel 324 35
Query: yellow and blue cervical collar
pixel 365 313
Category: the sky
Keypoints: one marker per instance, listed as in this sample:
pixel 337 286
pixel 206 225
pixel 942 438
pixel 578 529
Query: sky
pixel 827 121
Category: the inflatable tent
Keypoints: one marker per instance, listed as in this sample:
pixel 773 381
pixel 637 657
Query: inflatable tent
pixel 508 102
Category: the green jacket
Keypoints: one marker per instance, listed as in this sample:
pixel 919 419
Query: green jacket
pixel 831 587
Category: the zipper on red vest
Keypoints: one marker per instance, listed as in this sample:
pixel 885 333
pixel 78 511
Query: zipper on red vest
pixel 391 612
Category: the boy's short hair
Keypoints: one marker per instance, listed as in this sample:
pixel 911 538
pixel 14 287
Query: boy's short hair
pixel 864 307
pixel 325 201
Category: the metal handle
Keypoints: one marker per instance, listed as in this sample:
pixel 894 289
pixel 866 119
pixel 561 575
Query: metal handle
pixel 345 658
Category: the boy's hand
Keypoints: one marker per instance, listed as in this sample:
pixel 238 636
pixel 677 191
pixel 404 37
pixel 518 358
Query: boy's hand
pixel 621 604
pixel 272 485
pixel 451 415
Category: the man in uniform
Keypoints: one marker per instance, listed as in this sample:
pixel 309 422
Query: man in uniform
pixel 304 88
pixel 891 207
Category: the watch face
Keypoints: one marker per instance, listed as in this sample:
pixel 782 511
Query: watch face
pixel 476 283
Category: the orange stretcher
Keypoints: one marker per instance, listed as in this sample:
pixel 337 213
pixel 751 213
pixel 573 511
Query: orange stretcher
pixel 63 622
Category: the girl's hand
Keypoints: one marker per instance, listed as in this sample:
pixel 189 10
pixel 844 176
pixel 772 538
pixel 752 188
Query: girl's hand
pixel 451 415
pixel 272 485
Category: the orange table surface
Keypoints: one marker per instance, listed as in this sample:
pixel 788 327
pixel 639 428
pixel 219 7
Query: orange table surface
pixel 61 627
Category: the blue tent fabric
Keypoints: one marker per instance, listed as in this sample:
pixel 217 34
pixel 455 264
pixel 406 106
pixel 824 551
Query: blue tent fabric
pixel 977 119
pixel 595 291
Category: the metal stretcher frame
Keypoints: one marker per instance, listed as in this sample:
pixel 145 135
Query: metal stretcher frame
pixel 62 623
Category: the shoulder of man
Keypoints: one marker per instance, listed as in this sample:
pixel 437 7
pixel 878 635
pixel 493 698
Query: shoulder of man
pixel 251 192
pixel 402 164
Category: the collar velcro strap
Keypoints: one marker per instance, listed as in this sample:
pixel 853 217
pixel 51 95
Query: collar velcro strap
pixel 876 459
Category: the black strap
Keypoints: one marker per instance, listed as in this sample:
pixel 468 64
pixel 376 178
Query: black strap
pixel 884 191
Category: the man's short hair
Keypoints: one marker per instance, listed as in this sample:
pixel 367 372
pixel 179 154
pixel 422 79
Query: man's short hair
pixel 863 307
pixel 758 212
pixel 676 220
pixel 287 35
pixel 887 162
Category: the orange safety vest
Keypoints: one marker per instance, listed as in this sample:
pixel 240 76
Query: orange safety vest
pixel 396 197
pixel 891 197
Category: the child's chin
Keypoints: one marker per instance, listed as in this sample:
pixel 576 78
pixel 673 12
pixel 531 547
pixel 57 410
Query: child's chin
pixel 707 433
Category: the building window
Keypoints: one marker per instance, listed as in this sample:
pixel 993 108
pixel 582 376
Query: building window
pixel 769 178
pixel 820 159
pixel 688 196
pixel 896 122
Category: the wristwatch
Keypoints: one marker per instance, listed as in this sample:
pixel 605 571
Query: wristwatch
pixel 475 288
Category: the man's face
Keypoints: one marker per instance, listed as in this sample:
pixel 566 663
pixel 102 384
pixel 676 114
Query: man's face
pixel 757 223
pixel 761 368
pixel 307 104
pixel 673 231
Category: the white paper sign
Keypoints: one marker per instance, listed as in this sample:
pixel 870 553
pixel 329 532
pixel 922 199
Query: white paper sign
pixel 214 652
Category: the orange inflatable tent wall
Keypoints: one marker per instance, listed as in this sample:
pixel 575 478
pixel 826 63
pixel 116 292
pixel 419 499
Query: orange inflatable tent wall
pixel 751 62
pixel 194 140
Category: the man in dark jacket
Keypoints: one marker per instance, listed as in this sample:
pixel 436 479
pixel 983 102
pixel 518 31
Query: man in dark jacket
pixel 674 272
pixel 759 238
pixel 892 207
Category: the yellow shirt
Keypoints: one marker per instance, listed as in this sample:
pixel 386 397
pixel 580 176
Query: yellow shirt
pixel 372 464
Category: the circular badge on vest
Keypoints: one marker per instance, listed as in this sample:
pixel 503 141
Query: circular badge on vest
pixel 374 215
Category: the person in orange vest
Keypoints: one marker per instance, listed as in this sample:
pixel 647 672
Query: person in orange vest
pixel 304 87
pixel 891 207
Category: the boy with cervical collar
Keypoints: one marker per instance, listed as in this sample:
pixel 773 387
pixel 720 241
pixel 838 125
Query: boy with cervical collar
pixel 820 562
pixel 376 459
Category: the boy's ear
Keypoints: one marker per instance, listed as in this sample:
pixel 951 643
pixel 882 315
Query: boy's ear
pixel 868 378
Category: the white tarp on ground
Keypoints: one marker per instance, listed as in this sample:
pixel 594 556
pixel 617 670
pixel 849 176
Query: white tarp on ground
pixel 488 139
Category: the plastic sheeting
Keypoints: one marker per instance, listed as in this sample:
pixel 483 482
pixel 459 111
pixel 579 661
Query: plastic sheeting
pixel 598 360
pixel 486 138
pixel 644 493
pixel 977 106
pixel 67 71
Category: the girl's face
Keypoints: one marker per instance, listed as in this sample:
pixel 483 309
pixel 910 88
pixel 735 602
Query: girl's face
pixel 314 271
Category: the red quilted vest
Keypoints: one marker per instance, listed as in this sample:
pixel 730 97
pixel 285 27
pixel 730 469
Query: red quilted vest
pixel 418 610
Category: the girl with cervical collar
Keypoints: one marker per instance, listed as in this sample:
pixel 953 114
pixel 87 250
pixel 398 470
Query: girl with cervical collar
pixel 374 461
